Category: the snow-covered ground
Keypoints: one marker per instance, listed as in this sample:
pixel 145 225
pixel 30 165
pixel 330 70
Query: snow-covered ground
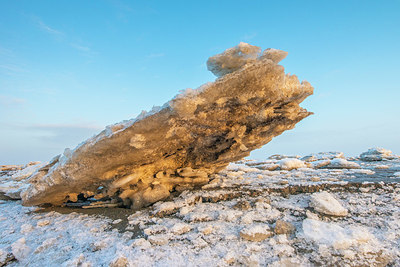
pixel 322 209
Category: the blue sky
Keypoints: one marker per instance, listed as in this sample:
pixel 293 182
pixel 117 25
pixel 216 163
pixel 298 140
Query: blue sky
pixel 69 68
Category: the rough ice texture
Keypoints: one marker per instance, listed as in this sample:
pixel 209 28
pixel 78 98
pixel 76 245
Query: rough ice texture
pixel 177 146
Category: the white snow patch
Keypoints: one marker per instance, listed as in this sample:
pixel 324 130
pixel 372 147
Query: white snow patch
pixel 334 235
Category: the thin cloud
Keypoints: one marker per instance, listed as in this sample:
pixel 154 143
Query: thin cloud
pixel 46 28
pixel 61 36
pixel 80 47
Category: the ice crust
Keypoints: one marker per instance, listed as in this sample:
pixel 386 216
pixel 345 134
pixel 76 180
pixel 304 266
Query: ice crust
pixel 231 223
pixel 38 238
pixel 178 146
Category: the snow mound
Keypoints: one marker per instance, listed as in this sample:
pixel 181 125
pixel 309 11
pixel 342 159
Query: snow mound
pixel 326 203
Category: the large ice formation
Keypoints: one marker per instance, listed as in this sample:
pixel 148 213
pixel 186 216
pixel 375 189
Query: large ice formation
pixel 179 145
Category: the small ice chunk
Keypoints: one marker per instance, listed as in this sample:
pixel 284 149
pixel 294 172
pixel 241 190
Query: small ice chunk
pixel 364 171
pixel 43 222
pixel 26 228
pixel 326 203
pixel 46 244
pixel 155 229
pixel 256 233
pixel 165 207
pixel 117 221
pixel 377 154
pixel 20 249
pixel 158 239
pixel 291 163
pixel 119 261
pixel 342 164
pixel 181 228
pixel 199 243
pixel 382 167
pixel 205 230
pixel 320 163
pixel 141 243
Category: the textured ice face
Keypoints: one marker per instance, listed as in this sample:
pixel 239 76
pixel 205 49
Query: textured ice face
pixel 179 145
pixel 236 57
pixel 233 59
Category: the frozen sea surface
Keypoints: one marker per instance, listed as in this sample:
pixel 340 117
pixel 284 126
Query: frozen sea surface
pixel 250 214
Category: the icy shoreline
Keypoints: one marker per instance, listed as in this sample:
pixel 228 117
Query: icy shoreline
pixel 343 213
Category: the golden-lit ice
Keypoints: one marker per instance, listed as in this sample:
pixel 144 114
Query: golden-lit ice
pixel 179 145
